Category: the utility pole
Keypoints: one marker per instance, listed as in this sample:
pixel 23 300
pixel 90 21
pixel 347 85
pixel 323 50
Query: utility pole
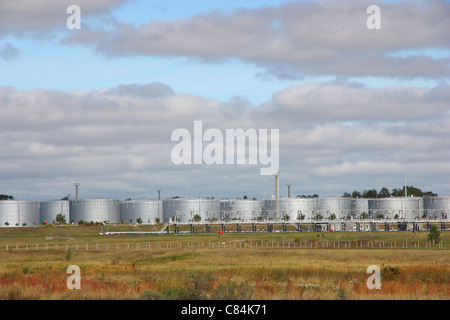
pixel 289 190
pixel 159 194
pixel 276 197
pixel 76 189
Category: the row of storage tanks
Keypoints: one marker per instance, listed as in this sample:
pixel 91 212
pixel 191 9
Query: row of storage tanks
pixel 33 213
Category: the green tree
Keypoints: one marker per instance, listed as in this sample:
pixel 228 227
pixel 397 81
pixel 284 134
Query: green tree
pixel 60 218
pixel 434 234
pixel 346 195
pixel 384 193
pixel 356 194
pixel 370 193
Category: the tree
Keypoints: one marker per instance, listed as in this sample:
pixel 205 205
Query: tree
pixel 139 220
pixel 346 195
pixel 370 193
pixel 434 234
pixel 60 218
pixel 6 197
pixel 356 194
pixel 384 193
pixel 197 218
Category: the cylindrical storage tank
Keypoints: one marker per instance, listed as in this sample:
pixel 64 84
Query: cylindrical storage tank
pixel 188 209
pixel 9 213
pixel 95 210
pixel 360 206
pixel 387 208
pixel 335 208
pixel 289 209
pixel 437 207
pixel 315 208
pixel 148 211
pixel 245 210
pixel 414 208
pixel 225 209
pixel 50 209
pixel 28 213
pixel 268 209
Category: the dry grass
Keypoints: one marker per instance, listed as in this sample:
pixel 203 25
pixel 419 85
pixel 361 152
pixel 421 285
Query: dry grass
pixel 271 272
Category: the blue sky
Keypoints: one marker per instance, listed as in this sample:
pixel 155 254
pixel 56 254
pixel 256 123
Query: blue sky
pixel 356 108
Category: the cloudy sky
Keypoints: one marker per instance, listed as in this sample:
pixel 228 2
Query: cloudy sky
pixel 356 108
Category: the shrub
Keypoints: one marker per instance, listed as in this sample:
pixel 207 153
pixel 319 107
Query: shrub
pixel 434 234
pixel 231 290
pixel 198 284
pixel 69 255
pixel 389 273
pixel 201 286
pixel 60 218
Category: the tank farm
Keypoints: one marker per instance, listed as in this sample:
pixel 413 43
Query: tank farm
pixel 239 215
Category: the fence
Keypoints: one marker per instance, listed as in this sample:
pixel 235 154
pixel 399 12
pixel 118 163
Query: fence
pixel 237 244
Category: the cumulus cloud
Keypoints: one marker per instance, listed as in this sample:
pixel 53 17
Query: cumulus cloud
pixel 295 38
pixel 116 141
pixel 9 52
pixel 29 17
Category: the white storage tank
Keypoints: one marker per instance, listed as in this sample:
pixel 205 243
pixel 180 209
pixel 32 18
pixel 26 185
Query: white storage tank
pixel 186 209
pixel 148 211
pixel 9 213
pixel 335 208
pixel 437 207
pixel 396 208
pixel 414 208
pixel 389 208
pixel 290 209
pixel 50 209
pixel 95 210
pixel 244 210
pixel 359 206
pixel 225 209
pixel 28 213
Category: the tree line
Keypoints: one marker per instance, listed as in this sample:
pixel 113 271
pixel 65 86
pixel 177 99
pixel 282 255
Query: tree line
pixel 385 193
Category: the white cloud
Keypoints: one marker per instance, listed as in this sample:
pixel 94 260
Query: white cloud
pixel 116 141
pixel 295 38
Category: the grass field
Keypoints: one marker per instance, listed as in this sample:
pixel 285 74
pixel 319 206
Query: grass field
pixel 279 265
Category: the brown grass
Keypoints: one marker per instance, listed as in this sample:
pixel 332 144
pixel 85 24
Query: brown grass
pixel 273 273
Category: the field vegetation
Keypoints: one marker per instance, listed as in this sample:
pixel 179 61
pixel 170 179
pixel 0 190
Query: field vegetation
pixel 279 265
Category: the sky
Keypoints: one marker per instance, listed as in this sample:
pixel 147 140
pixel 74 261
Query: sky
pixel 357 108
